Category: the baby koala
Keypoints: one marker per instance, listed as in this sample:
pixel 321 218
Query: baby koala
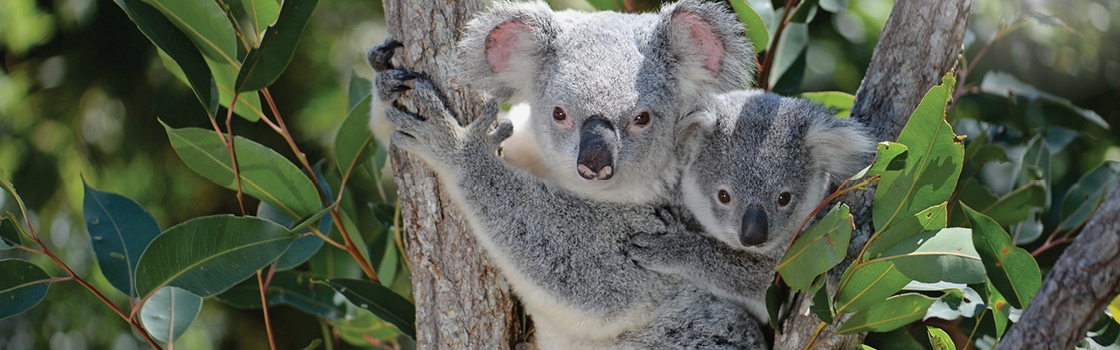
pixel 759 167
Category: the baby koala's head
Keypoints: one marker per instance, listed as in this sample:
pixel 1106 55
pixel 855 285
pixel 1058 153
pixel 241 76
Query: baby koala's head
pixel 757 164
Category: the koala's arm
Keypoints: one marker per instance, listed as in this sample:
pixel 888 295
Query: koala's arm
pixel 738 276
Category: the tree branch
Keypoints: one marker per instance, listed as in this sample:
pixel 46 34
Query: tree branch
pixel 1077 290
pixel 461 300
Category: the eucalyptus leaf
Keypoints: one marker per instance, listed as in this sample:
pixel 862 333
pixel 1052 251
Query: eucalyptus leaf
pixel 892 313
pixel 792 45
pixel 753 23
pixel 205 24
pixel 210 254
pixel 774 306
pixel 248 103
pixel 1011 269
pixel 265 174
pixel 605 5
pixel 1083 197
pixel 892 157
pixel 818 249
pixel 354 144
pixel 822 303
pixel 359 89
pixel 9 234
pixel 840 101
pixel 379 300
pixel 868 283
pixel 932 219
pixel 297 289
pixel 22 286
pixel 119 229
pixel 262 13
pixel 265 62
pixel 169 312
pixel 1005 84
pixel 943 255
pixel 939 339
pixel 304 247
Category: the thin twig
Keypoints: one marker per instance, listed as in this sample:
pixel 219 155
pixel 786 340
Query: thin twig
pixel 233 155
pixel 809 344
pixel 764 72
pixel 264 305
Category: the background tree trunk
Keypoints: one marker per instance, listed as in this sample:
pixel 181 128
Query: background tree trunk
pixel 462 302
pixel 918 45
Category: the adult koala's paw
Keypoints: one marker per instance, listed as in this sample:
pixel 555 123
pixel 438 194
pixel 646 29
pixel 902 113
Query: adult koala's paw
pixel 435 135
pixel 665 253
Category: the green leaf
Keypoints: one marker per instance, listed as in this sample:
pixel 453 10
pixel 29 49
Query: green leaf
pixel 866 284
pixel 973 194
pixel 865 347
pixel 821 247
pixel 605 5
pixel 944 255
pixel 939 339
pixel 840 101
pixel 169 312
pixel 354 143
pixel 834 5
pixel 1035 165
pixel 304 247
pixel 954 304
pixel 208 255
pixel 379 300
pixel 1000 308
pixel 248 104
pixel 314 344
pixel 1114 307
pixel 933 163
pixel 177 46
pixel 1084 196
pixel 22 286
pixel 1011 269
pixel 265 174
pixel 753 23
pixel 262 13
pixel 9 234
pixel 822 303
pixel 293 288
pixel 1004 84
pixel 264 63
pixel 119 229
pixel 774 306
pixel 792 44
pixel 988 153
pixel 804 12
pixel 354 329
pixel 892 157
pixel 359 89
pixel 931 219
pixel 1016 206
pixel 205 24
pixel 892 313
pixel 356 237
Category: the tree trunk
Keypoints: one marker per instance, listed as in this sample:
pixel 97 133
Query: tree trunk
pixel 1078 288
pixel 462 302
pixel 918 45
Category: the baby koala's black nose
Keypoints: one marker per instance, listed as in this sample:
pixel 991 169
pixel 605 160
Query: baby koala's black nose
pixel 598 143
pixel 754 230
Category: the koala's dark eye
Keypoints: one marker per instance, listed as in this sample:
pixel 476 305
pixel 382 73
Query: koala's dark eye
pixel 642 119
pixel 783 199
pixel 724 197
pixel 558 114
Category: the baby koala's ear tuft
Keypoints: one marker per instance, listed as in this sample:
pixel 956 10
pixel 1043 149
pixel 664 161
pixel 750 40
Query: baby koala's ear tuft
pixel 838 146
pixel 503 48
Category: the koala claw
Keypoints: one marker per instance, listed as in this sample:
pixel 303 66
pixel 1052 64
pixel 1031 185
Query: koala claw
pixel 391 83
pixel 380 56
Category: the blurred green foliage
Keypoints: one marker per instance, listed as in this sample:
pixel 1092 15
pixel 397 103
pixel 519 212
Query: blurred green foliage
pixel 81 90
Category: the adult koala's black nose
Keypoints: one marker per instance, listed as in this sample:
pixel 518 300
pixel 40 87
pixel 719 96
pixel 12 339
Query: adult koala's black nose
pixel 598 144
pixel 754 230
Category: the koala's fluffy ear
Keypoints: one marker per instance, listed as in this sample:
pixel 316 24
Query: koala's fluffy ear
pixel 692 129
pixel 838 146
pixel 503 47
pixel 708 42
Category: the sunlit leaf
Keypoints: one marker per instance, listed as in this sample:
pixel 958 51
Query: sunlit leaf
pixel 890 314
pixel 265 62
pixel 379 300
pixel 119 230
pixel 354 330
pixel 293 288
pixel 262 13
pixel 205 24
pixel 22 286
pixel 248 103
pixel 753 23
pixel 933 163
pixel 1084 196
pixel 944 255
pixel 954 304
pixel 265 174
pixel 169 312
pixel 892 157
pixel 931 219
pixel 1011 269
pixel 939 339
pixel 177 46
pixel 866 284
pixel 818 249
pixel 208 255
pixel 792 44
pixel 840 101
pixel 1114 307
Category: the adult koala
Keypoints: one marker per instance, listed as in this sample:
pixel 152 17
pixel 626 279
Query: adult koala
pixel 605 89
pixel 760 166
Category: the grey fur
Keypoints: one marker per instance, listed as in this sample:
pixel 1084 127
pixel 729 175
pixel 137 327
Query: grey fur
pixel 566 256
pixel 610 65
pixel 754 145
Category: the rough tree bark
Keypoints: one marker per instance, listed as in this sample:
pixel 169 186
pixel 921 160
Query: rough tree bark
pixel 918 45
pixel 462 302
pixel 1078 288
